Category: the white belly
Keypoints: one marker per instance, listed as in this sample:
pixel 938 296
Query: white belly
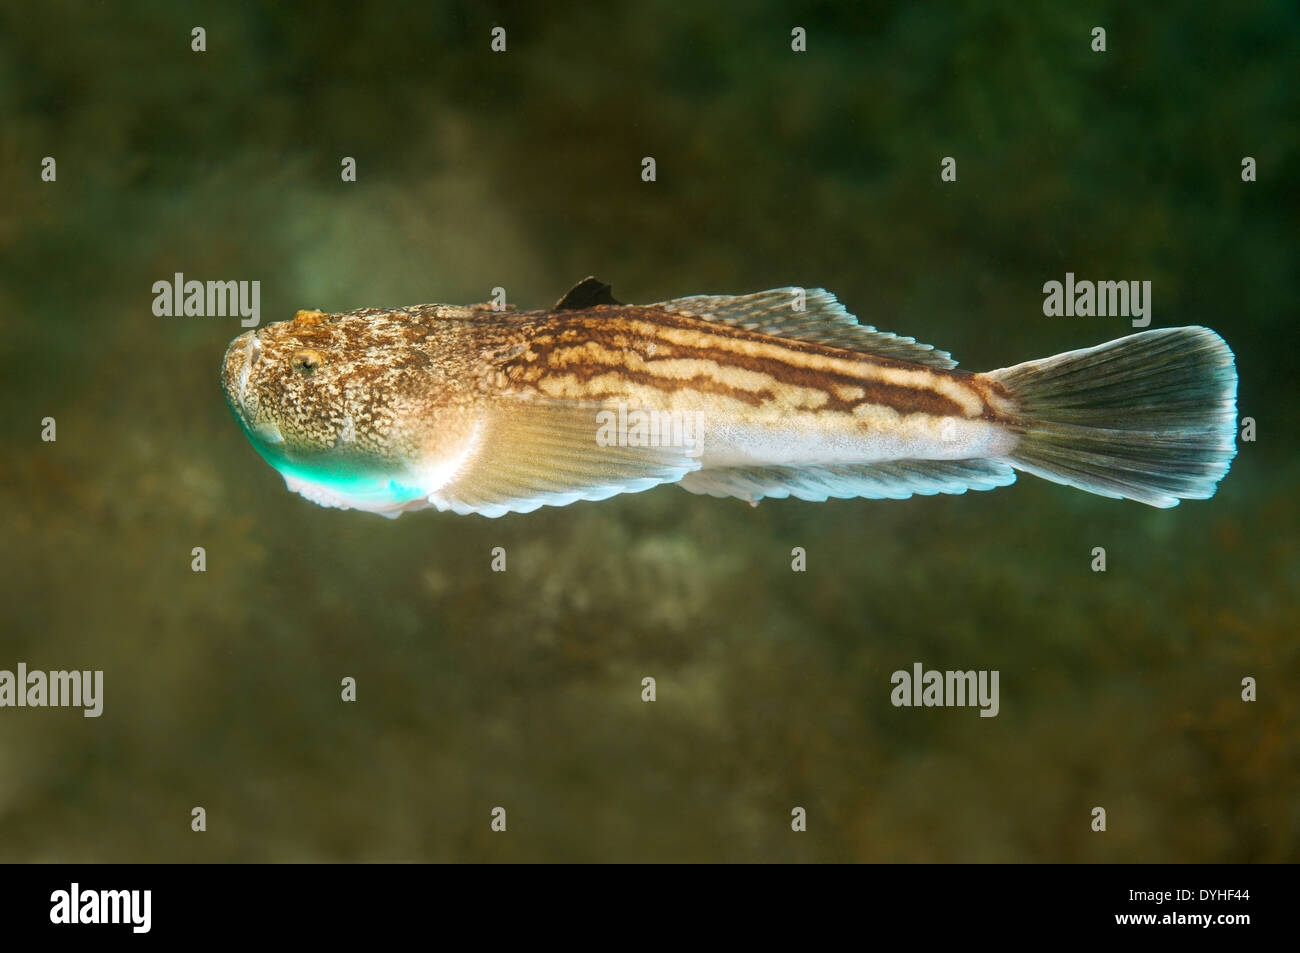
pixel 809 439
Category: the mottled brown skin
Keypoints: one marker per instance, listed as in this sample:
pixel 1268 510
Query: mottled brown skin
pixel 456 407
pixel 624 329
pixel 438 363
pixel 380 369
pixel 775 393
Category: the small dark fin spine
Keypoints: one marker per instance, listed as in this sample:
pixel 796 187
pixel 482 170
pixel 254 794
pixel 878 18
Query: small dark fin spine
pixel 587 293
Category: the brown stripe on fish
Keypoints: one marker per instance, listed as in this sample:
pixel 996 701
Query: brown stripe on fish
pixel 740 344
pixel 743 364
pixel 601 382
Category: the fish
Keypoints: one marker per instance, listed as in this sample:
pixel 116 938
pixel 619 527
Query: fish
pixel 490 410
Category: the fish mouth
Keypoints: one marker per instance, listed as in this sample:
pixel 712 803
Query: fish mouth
pixel 253 350
pixel 242 355
pixel 268 432
pixel 252 353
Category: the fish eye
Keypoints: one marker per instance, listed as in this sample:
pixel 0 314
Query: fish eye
pixel 306 361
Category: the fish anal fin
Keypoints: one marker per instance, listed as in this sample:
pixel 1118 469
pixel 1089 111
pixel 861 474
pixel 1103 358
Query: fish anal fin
pixel 895 480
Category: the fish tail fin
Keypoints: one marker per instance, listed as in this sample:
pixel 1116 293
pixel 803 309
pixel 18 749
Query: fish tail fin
pixel 1149 417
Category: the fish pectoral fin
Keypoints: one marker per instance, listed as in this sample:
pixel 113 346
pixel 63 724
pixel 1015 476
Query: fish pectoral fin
pixel 896 480
pixel 822 320
pixel 535 453
pixel 587 293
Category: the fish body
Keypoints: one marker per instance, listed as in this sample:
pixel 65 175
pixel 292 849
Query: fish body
pixel 774 394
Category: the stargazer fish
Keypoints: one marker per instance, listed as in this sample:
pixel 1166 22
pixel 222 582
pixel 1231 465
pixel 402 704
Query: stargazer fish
pixel 781 393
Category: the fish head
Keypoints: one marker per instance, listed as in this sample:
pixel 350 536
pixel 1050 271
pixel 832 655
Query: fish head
pixel 282 387
pixel 340 405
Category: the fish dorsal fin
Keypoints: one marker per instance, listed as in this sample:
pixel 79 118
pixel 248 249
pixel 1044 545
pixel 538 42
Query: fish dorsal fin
pixel 587 293
pixel 823 321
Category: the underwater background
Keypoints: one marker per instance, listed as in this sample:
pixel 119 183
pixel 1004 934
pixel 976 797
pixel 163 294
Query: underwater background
pixel 522 689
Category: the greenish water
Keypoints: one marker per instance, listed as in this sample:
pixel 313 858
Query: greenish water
pixel 523 689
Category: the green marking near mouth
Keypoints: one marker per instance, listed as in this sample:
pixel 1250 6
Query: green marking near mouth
pixel 355 483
